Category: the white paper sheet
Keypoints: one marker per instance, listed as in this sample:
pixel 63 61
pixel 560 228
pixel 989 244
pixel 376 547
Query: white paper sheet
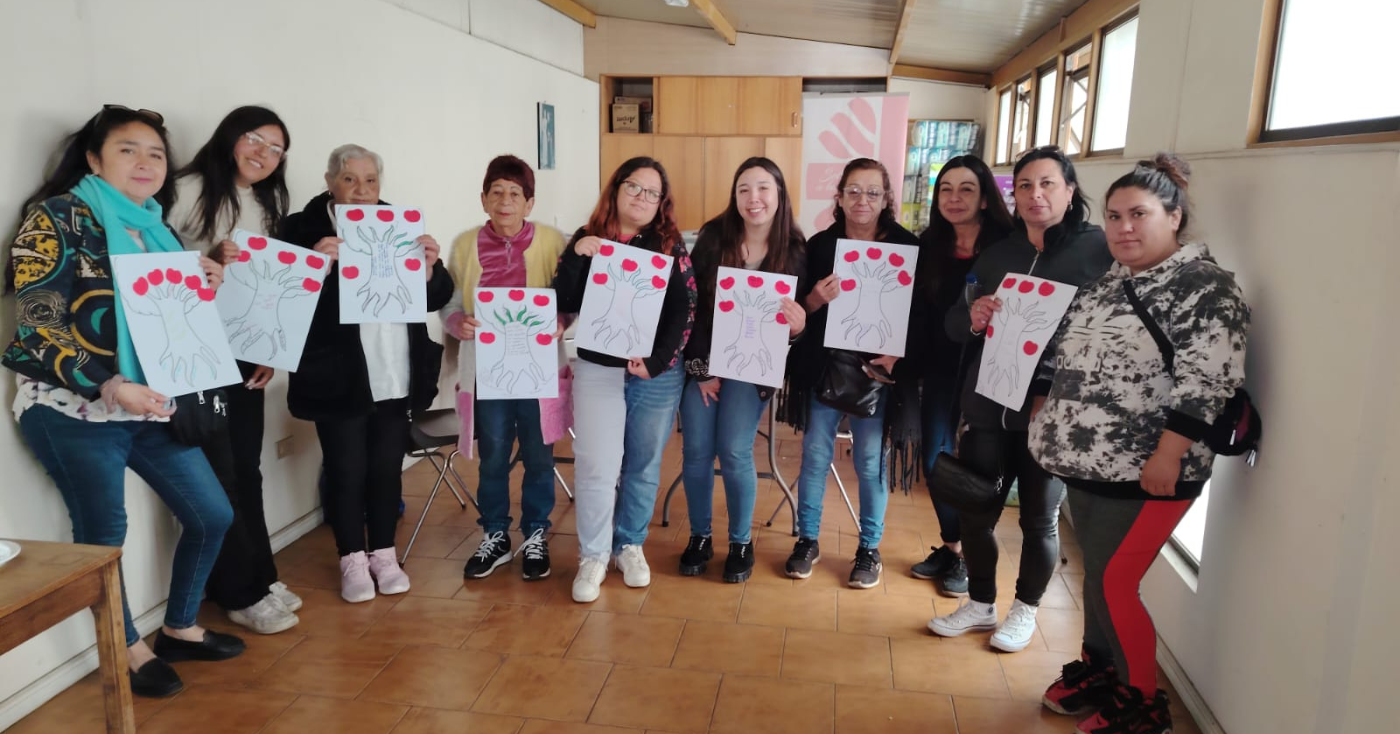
pixel 381 267
pixel 268 298
pixel 871 309
pixel 173 322
pixel 622 303
pixel 749 341
pixel 516 356
pixel 1031 309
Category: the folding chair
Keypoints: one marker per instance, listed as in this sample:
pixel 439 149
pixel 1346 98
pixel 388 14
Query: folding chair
pixel 431 431
pixel 843 433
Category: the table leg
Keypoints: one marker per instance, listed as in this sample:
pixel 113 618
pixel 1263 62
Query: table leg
pixel 111 653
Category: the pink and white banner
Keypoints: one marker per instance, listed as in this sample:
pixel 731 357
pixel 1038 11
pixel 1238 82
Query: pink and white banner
pixel 837 128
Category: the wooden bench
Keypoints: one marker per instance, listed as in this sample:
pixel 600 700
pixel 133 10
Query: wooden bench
pixel 50 582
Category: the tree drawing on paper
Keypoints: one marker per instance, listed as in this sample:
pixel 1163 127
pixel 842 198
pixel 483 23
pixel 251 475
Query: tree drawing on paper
pixel 272 288
pixel 868 280
pixel 517 324
pixel 756 309
pixel 1015 322
pixel 171 296
pixel 629 283
pixel 390 252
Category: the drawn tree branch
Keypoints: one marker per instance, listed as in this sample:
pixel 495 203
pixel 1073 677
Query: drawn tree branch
pixel 1017 318
pixel 518 328
pixel 384 283
pixel 748 347
pixel 628 285
pixel 271 288
pixel 171 296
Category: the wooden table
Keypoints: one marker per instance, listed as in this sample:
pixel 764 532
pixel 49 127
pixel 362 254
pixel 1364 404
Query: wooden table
pixel 50 582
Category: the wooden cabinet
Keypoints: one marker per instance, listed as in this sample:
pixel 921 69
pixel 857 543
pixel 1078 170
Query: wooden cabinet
pixel 787 153
pixel 677 105
pixel 722 158
pixel 770 105
pixel 616 148
pixel 719 105
pixel 684 160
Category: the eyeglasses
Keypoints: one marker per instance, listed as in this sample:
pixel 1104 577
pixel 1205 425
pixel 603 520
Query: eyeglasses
pixel 635 189
pixel 1051 149
pixel 855 192
pixel 261 145
pixel 151 115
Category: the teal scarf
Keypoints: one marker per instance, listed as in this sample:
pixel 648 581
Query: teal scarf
pixel 117 214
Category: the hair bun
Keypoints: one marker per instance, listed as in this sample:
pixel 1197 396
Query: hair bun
pixel 1175 168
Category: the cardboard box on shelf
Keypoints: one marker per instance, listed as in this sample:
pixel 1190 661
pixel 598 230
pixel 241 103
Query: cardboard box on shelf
pixel 626 118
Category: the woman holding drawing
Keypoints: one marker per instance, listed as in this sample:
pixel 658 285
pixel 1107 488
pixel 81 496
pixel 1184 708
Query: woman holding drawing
pixel 865 210
pixel 1145 414
pixel 359 383
pixel 970 217
pixel 1052 240
pixel 719 417
pixel 82 405
pixel 507 252
pixel 238 181
pixel 625 408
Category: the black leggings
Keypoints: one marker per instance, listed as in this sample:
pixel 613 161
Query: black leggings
pixel 364 463
pixel 245 568
pixel 994 452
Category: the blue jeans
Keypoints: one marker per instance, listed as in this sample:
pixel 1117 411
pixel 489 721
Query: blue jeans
pixel 818 450
pixel 651 414
pixel 499 423
pixel 88 463
pixel 940 399
pixel 724 429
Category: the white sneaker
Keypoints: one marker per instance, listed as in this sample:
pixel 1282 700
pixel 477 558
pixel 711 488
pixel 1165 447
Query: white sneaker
pixel 633 565
pixel 267 617
pixel 1015 632
pixel 972 616
pixel 588 582
pixel 355 583
pixel 384 564
pixel 281 593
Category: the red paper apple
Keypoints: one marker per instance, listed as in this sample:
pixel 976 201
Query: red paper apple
pixel 257 243
pixel 486 296
pixel 600 278
pixel 516 295
pixel 486 337
pixel 413 264
pixel 658 282
pixel 541 300
pixel 286 258
pixel 412 215
pixel 385 215
pixel 311 285
pixel 355 215
pixel 350 272
pixel 726 306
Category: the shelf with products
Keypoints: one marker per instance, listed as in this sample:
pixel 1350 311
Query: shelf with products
pixel 932 143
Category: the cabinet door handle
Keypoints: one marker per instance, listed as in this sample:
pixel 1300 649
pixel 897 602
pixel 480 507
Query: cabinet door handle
pixel 794 119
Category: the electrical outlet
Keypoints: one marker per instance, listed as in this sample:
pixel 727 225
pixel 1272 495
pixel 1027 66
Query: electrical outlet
pixel 285 447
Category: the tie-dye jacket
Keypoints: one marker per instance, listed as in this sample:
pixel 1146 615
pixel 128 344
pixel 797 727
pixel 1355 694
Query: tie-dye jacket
pixel 1109 394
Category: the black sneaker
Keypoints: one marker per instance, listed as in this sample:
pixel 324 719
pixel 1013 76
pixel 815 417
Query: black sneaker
pixel 805 554
pixel 697 555
pixel 493 553
pixel 937 563
pixel 866 574
pixel 739 565
pixel 953 582
pixel 535 551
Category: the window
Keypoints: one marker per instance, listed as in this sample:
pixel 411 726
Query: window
pixel 1333 70
pixel 1045 108
pixel 1004 128
pixel 1115 87
pixel 1021 118
pixel 1075 104
pixel 1190 534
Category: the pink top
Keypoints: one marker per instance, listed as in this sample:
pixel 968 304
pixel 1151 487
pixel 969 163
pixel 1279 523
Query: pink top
pixel 503 258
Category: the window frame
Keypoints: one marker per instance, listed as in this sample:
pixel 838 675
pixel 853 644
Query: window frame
pixel 1380 130
pixel 1096 71
pixel 1055 67
pixel 1002 149
pixel 1033 81
pixel 1066 78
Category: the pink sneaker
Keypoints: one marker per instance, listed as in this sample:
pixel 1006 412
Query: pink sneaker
pixel 355 583
pixel 384 564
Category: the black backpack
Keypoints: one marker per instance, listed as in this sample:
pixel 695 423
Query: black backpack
pixel 1238 428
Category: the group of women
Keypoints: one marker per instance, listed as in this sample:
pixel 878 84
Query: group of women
pixel 1117 421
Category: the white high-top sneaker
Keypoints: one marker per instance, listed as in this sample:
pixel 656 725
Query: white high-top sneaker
pixel 1015 632
pixel 972 616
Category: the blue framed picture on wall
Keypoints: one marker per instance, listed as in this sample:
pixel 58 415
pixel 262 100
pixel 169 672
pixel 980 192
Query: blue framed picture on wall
pixel 546 136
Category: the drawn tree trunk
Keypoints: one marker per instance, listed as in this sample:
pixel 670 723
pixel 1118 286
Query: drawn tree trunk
pixel 384 282
pixel 870 285
pixel 1016 319
pixel 170 296
pixel 271 289
pixel 620 318
pixel 517 330
pixel 748 347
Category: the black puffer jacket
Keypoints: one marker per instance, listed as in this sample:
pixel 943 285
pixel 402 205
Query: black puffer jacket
pixel 332 381
pixel 1076 253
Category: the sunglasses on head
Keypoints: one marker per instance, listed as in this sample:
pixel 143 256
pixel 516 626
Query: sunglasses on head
pixel 151 115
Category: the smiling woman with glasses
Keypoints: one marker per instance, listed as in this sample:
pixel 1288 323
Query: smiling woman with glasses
pixel 238 181
pixel 865 210
pixel 624 408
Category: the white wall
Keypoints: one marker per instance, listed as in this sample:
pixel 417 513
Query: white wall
pixel 941 100
pixel 408 82
pixel 1291 625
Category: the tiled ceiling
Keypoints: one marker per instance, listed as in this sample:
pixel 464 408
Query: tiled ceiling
pixel 970 35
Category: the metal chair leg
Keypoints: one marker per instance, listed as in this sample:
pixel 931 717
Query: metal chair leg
pixel 666 506
pixel 560 478
pixel 427 506
pixel 443 468
pixel 842 486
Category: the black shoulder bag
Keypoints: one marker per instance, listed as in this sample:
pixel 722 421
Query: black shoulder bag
pixel 199 416
pixel 847 384
pixel 1238 428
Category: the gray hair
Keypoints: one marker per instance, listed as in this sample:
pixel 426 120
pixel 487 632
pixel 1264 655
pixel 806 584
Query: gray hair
pixel 345 153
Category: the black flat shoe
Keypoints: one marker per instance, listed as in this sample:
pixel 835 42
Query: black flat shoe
pixel 214 646
pixel 155 679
